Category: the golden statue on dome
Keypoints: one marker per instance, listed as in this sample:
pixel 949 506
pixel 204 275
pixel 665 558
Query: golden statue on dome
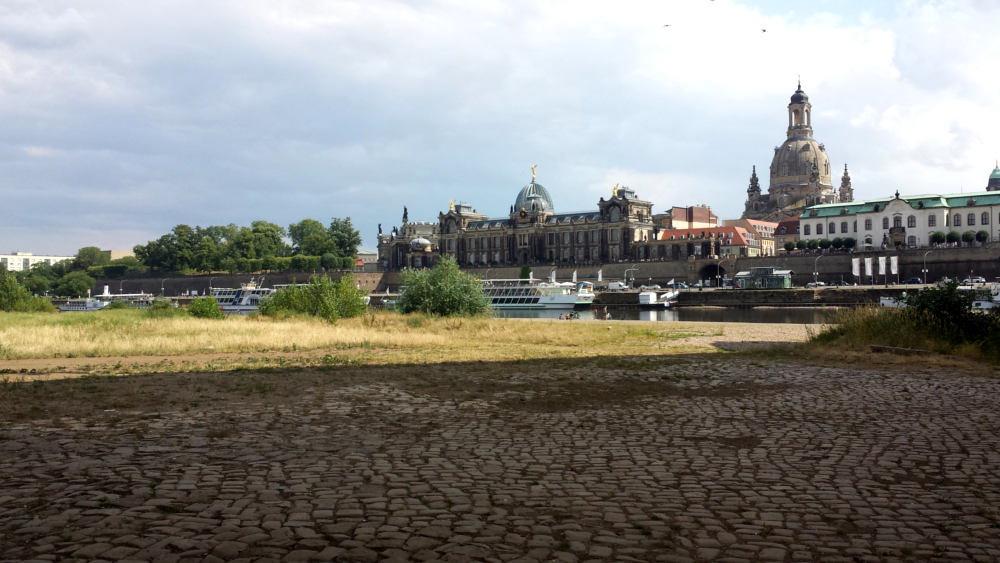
pixel 533 172
pixel 451 205
pixel 614 191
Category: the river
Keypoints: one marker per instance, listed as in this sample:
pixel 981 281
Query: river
pixel 786 315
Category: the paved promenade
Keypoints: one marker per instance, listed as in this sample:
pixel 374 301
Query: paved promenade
pixel 693 458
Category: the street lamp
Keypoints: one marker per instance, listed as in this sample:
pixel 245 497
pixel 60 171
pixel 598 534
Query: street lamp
pixel 161 286
pixel 488 273
pixel 120 287
pixel 815 269
pixel 718 273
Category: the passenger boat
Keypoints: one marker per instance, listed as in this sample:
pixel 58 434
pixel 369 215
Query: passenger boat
pixel 650 299
pixel 535 294
pixel 244 300
pixel 85 304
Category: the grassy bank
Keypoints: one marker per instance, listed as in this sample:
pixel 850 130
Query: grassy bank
pixel 377 338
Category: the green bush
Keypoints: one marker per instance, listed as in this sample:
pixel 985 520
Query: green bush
pixel 300 262
pixel 312 263
pixel 968 236
pixel 330 261
pixel 812 244
pixel 983 236
pixel 164 309
pixel 443 290
pixel 117 304
pixel 15 298
pixel 789 246
pixel 837 243
pixel 952 236
pixel 938 237
pixel 824 243
pixel 321 297
pixel 938 318
pixel 256 264
pixel 801 244
pixel 206 308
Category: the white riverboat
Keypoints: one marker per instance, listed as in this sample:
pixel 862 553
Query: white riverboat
pixel 535 294
pixel 244 300
pixel 86 304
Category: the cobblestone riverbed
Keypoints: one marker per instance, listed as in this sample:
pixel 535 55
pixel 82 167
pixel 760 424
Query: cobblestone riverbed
pixel 680 459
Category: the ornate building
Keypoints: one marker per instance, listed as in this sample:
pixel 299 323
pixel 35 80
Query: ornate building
pixel 800 171
pixel 532 233
pixel 414 245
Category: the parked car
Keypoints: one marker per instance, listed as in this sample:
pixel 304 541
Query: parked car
pixel 816 284
pixel 648 287
pixel 836 283
pixel 914 281
pixel 617 286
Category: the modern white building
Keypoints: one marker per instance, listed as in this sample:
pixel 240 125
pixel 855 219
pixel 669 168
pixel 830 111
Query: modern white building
pixel 903 220
pixel 21 261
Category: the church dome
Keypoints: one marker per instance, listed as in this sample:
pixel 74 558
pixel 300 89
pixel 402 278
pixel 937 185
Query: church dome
pixel 534 194
pixel 800 161
pixel 420 242
pixel 994 183
pixel 800 97
pixel 996 173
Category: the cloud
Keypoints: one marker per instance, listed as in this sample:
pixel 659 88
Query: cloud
pixel 139 116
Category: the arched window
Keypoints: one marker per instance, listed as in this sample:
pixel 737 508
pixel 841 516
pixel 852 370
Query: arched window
pixel 932 220
pixel 868 224
pixel 615 215
pixel 843 227
pixel 833 228
pixel 806 231
pixel 971 219
pixel 782 230
pixel 911 221
pixel 855 226
pixel 984 219
pixel 819 228
pixel 897 222
pixel 911 241
pixel 796 230
pixel 885 222
pixel 958 220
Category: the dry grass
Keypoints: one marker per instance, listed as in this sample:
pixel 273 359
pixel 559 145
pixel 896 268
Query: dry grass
pixel 251 343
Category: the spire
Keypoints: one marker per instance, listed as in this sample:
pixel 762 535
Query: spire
pixel 754 182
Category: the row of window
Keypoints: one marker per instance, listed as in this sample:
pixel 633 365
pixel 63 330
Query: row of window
pixel 911 222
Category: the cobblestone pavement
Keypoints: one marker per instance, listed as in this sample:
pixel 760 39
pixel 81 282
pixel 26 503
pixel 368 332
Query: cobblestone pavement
pixel 703 459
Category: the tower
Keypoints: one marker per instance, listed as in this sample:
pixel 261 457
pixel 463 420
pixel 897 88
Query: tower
pixel 846 191
pixel 800 115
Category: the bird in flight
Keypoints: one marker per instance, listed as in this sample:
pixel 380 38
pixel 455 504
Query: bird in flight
pixel 763 31
pixel 667 25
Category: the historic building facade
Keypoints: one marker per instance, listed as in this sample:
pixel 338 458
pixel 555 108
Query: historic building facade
pixel 532 233
pixel 800 174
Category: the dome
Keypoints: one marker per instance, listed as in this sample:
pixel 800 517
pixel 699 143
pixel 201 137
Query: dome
pixel 534 194
pixel 420 242
pixel 994 184
pixel 796 161
pixel 996 173
pixel 800 97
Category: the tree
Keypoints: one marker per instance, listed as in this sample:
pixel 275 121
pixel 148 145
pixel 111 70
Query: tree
pixel 206 254
pixel 443 290
pixel 968 236
pixel 824 243
pixel 953 237
pixel 345 235
pixel 90 256
pixel 75 284
pixel 801 244
pixel 789 246
pixel 982 236
pixel 321 297
pixel 318 244
pixel 330 261
pixel 15 298
pixel 849 242
pixel 812 244
pixel 938 237
pixel 298 232
pixel 206 308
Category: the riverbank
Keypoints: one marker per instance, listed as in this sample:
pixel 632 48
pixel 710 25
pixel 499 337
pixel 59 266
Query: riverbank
pixel 121 342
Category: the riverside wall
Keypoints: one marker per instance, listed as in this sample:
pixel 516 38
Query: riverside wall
pixel 951 262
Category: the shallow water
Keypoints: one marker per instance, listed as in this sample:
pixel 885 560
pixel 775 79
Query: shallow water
pixel 787 315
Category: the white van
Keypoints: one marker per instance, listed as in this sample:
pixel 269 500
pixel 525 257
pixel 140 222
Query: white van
pixel 617 286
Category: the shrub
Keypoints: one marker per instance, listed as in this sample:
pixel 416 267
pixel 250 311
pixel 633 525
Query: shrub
pixel 824 243
pixel 284 263
pixel 312 262
pixel 939 319
pixel 801 244
pixel 837 243
pixel 243 264
pixel 256 264
pixel 269 263
pixel 206 308
pixel 938 237
pixel 812 244
pixel 15 298
pixel 330 261
pixel 321 297
pixel 982 236
pixel 789 246
pixel 164 309
pixel 117 304
pixel 952 236
pixel 968 236
pixel 850 242
pixel 443 290
pixel 300 262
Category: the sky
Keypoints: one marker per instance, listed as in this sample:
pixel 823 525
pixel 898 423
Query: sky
pixel 120 120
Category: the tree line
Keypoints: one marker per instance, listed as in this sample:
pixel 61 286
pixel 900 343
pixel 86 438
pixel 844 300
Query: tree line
pixel 260 247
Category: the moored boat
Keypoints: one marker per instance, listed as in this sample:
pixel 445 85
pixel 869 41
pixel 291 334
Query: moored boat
pixel 535 294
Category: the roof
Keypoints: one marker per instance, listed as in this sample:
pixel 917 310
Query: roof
pixel 996 173
pixel 915 201
pixel 534 193
pixel 739 235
